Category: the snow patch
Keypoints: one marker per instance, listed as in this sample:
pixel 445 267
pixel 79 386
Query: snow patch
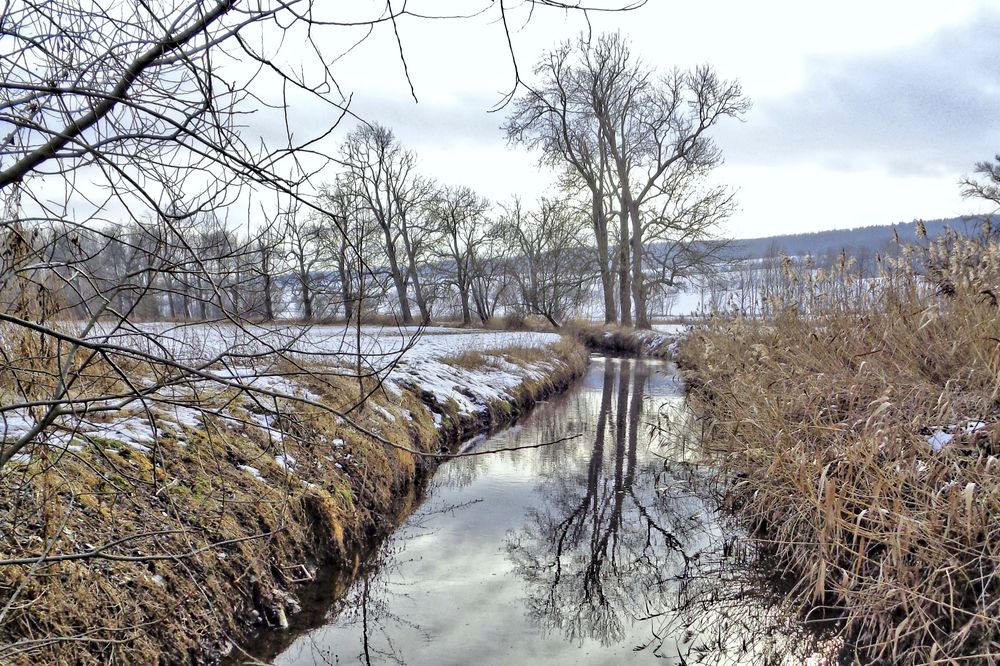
pixel 252 471
pixel 939 439
pixel 285 461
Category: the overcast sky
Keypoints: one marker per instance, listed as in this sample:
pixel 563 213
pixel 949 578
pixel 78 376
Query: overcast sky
pixel 864 113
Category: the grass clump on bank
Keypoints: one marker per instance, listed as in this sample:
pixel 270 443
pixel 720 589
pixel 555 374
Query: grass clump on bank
pixel 613 339
pixel 857 436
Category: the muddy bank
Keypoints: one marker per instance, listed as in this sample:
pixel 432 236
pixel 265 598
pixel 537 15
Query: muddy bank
pixel 216 528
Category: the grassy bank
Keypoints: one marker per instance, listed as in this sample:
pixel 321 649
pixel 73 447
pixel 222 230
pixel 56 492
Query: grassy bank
pixel 625 341
pixel 183 545
pixel 857 438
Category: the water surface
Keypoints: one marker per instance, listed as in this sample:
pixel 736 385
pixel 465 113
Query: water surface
pixel 599 550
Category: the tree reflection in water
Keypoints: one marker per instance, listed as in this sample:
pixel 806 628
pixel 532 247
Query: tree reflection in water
pixel 636 542
pixel 603 550
pixel 595 553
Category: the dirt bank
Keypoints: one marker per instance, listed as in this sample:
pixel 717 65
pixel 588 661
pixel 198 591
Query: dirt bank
pixel 183 547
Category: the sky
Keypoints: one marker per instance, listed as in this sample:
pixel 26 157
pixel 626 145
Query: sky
pixel 863 113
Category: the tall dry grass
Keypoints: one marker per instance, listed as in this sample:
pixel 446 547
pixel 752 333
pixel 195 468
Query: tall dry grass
pixel 825 422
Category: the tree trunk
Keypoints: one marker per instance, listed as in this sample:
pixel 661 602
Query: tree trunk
pixel 418 294
pixel 268 299
pixel 171 300
pixel 307 304
pixel 397 276
pixel 624 288
pixel 600 224
pixel 482 307
pixel 466 311
pixel 638 279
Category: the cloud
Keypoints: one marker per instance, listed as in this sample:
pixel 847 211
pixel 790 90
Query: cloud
pixel 932 108
pixel 439 121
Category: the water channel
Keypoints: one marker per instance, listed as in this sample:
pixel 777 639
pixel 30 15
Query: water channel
pixel 605 549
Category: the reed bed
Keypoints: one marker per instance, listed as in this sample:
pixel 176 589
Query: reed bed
pixel 857 436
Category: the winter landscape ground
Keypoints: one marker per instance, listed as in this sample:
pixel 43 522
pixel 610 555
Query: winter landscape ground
pixel 275 276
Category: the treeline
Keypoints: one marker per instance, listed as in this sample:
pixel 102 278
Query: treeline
pixel 857 240
pixel 381 239
pixel 462 259
pixel 632 219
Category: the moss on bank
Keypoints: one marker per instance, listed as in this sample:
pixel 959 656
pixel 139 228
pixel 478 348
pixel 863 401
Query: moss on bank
pixel 216 526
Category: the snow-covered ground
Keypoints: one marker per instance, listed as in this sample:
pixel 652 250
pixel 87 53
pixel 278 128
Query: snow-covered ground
pixel 672 329
pixel 471 388
pixel 419 359
pixel 193 342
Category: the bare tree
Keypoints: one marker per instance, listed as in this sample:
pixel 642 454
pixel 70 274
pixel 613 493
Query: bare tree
pixel 414 202
pixel 550 263
pixel 554 116
pixel 656 133
pixel 491 272
pixel 461 222
pixel 350 236
pixel 308 258
pixel 382 175
pixel 632 137
pixel 265 248
pixel 985 184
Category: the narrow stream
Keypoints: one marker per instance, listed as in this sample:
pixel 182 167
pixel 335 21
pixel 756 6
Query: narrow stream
pixel 598 550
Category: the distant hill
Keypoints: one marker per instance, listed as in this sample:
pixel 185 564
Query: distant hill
pixel 870 238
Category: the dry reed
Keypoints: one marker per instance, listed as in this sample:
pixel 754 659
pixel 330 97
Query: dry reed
pixel 857 436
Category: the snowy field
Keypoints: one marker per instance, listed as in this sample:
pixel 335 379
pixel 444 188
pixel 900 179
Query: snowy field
pixel 202 342
pixel 402 357
pixel 672 329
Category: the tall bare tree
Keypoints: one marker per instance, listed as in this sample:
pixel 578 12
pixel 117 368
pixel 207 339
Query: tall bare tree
pixel 461 222
pixel 628 134
pixel 654 129
pixel 554 116
pixel 382 174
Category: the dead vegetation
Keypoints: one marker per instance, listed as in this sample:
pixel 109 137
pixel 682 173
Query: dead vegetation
pixel 174 553
pixel 496 358
pixel 858 440
pixel 614 339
